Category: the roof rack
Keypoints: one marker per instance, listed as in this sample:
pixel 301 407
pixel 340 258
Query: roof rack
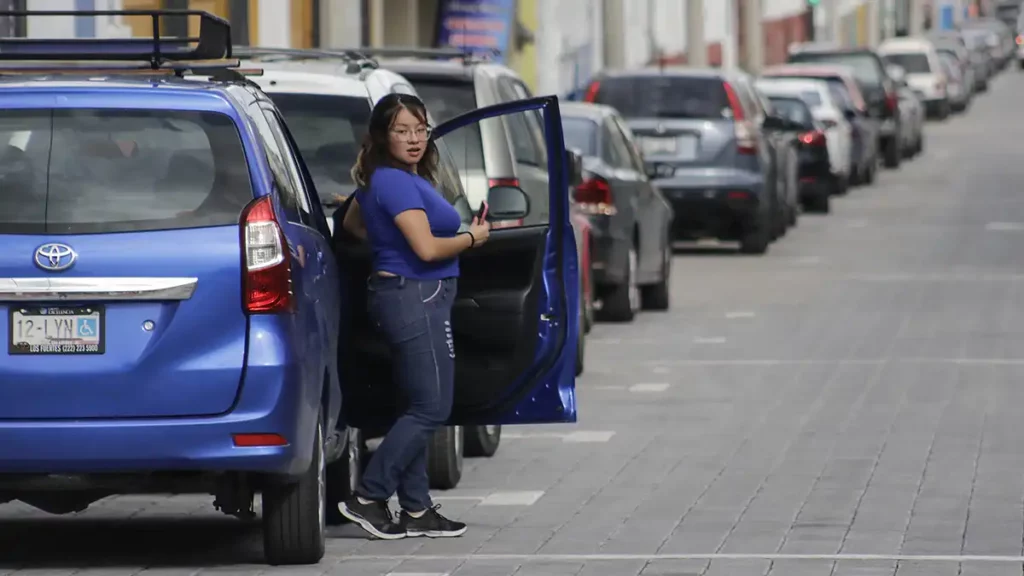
pixel 355 60
pixel 213 43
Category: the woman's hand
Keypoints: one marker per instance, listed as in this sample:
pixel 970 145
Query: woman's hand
pixel 481 231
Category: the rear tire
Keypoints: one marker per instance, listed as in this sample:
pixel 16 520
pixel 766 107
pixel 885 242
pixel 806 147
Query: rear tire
pixel 623 301
pixel 891 149
pixel 294 514
pixel 482 441
pixel 344 475
pixel 820 204
pixel 657 296
pixel 444 458
pixel 756 240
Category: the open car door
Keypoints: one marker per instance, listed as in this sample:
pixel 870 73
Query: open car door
pixel 514 321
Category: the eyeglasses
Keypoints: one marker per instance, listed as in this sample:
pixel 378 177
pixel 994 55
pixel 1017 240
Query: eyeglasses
pixel 421 133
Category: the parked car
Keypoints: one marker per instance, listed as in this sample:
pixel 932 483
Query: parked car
pixel 985 68
pixel 1001 38
pixel 959 95
pixel 216 370
pixel 951 44
pixel 815 171
pixel 630 217
pixel 845 93
pixel 831 118
pixel 882 101
pixel 704 142
pixel 911 114
pixel 506 152
pixel 924 71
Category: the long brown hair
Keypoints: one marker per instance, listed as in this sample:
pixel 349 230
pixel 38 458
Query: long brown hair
pixel 375 150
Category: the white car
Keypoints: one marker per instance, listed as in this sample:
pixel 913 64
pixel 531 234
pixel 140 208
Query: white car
pixel 924 71
pixel 838 132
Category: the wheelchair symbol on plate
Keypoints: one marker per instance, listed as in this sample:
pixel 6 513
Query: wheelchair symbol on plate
pixel 86 327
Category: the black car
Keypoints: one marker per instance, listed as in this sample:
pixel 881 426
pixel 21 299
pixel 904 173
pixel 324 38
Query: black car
pixel 631 221
pixel 814 170
pixel 878 88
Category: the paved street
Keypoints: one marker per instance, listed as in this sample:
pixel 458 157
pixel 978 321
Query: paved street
pixel 848 404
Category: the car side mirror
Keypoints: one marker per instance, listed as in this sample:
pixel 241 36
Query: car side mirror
pixel 775 123
pixel 574 162
pixel 507 203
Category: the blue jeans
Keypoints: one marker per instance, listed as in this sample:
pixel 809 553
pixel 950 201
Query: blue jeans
pixel 415 318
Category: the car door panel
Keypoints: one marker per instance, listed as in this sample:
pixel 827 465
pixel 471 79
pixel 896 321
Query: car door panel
pixel 513 322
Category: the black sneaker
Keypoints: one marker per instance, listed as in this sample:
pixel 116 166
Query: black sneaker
pixel 374 517
pixel 431 525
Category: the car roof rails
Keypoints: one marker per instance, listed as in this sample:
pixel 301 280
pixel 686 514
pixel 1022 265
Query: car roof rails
pixel 466 56
pixel 209 54
pixel 355 60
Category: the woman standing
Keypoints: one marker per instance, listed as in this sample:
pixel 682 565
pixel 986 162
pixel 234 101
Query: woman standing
pixel 414 235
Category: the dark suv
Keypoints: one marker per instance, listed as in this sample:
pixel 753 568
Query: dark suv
pixel 879 90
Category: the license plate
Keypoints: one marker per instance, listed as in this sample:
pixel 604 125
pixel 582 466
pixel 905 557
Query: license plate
pixel 653 145
pixel 56 330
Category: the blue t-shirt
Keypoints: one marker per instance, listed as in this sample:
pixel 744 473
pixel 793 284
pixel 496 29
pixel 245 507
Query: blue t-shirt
pixel 391 192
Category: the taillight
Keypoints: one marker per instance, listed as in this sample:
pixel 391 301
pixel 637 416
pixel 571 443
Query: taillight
pixel 514 183
pixel 594 196
pixel 746 141
pixel 267 279
pixel 891 100
pixel 813 138
pixel 591 94
pixel 1020 40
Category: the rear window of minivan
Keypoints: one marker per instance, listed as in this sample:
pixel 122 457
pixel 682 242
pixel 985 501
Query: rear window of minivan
pixel 81 171
pixel 911 62
pixel 664 96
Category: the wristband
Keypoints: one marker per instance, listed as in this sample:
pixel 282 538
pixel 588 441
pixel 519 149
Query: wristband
pixel 472 239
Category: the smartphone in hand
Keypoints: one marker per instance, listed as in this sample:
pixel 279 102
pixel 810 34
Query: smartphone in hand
pixel 481 215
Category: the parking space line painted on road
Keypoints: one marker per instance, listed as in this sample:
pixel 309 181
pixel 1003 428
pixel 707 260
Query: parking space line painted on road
pixel 515 498
pixel 709 340
pixel 739 314
pixel 578 436
pixel 661 370
pixel 649 387
pixel 525 558
pixel 1005 226
pixel 418 573
pixel 850 361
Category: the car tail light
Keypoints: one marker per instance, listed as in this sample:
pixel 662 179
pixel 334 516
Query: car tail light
pixel 267 281
pixel 514 183
pixel 591 95
pixel 258 440
pixel 813 138
pixel 594 195
pixel 1020 40
pixel 891 100
pixel 746 142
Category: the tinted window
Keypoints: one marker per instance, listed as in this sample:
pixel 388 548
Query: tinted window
pixel 88 171
pixel 664 97
pixel 864 66
pixel 446 100
pixel 792 108
pixel 328 131
pixel 812 97
pixel 913 63
pixel 580 133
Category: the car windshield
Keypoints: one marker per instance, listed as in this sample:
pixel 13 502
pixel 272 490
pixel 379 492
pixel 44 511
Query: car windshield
pixel 328 131
pixel 446 100
pixel 793 109
pixel 665 97
pixel 864 66
pixel 81 171
pixel 912 62
pixel 580 133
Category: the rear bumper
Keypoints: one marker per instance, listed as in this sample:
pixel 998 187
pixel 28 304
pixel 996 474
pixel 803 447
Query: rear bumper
pixel 714 203
pixel 273 400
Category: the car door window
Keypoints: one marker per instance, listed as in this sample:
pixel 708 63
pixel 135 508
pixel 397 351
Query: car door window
pixel 292 175
pixel 616 146
pixel 309 193
pixel 533 117
pixel 524 144
pixel 286 185
pixel 636 161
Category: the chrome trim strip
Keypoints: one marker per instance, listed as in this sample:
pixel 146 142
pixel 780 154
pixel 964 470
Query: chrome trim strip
pixel 94 289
